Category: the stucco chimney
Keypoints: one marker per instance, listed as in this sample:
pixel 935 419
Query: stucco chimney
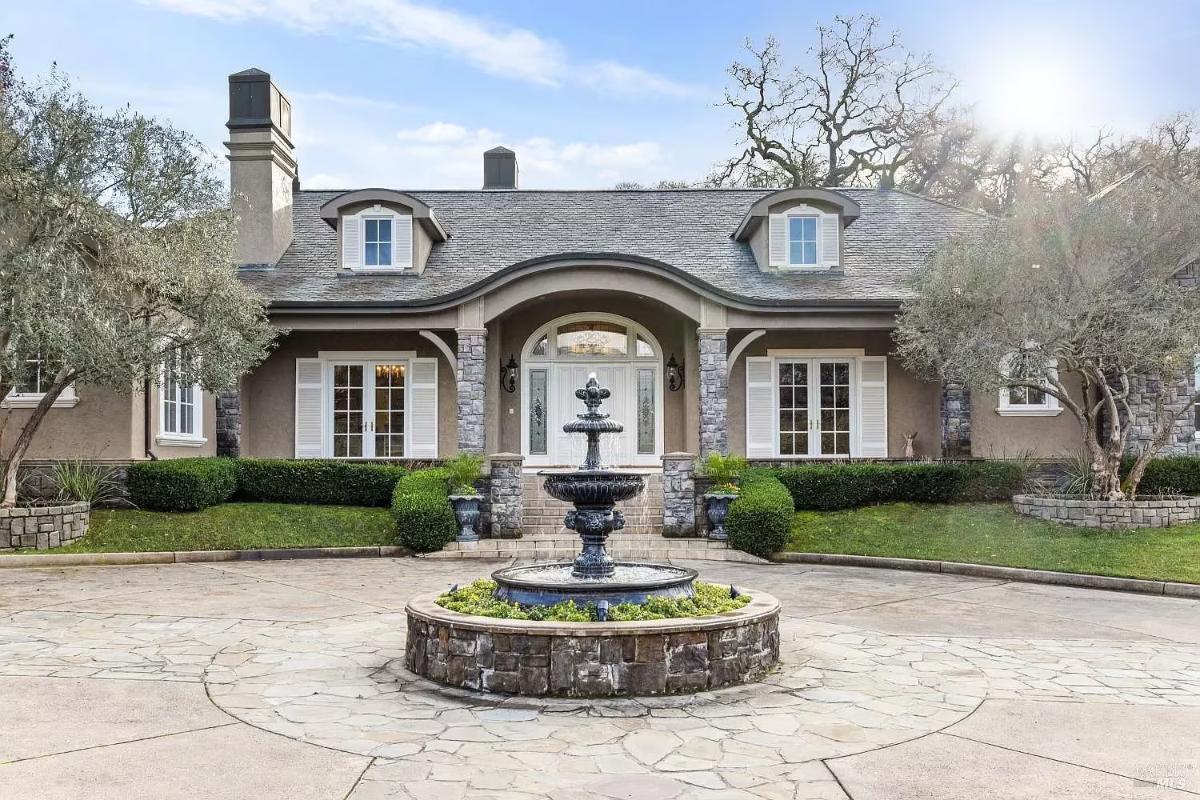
pixel 262 166
pixel 499 169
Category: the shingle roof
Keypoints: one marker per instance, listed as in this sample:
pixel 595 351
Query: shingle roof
pixel 688 230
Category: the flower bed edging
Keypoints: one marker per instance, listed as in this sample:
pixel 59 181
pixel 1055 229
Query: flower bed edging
pixel 43 527
pixel 1109 514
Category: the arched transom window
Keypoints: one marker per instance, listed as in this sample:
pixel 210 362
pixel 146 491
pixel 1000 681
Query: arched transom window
pixel 591 337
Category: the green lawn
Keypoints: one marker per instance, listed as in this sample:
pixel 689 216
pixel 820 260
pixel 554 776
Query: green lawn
pixel 992 533
pixel 234 526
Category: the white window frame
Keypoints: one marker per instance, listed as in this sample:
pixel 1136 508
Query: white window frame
pixel 178 438
pixel 815 357
pixel 66 399
pixel 391 220
pixel 1196 408
pixel 1049 407
pixel 802 211
pixel 368 360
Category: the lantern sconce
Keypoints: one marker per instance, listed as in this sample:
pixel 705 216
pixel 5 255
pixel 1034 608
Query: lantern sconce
pixel 508 375
pixel 674 374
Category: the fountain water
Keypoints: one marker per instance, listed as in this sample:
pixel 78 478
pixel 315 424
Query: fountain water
pixel 593 490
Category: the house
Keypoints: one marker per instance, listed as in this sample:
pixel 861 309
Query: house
pixel 418 323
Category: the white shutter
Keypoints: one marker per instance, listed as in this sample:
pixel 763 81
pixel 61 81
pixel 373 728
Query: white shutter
pixel 872 407
pixel 351 227
pixel 423 409
pixel 777 240
pixel 402 254
pixel 310 413
pixel 831 229
pixel 760 407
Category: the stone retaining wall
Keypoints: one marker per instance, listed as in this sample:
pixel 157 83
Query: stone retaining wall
pixel 42 527
pixel 1108 514
pixel 609 659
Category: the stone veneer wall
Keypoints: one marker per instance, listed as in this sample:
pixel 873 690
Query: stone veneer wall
pixel 1108 514
pixel 472 368
pixel 43 527
pixel 229 423
pixel 714 385
pixel 679 495
pixel 956 421
pixel 592 659
pixel 36 480
pixel 506 498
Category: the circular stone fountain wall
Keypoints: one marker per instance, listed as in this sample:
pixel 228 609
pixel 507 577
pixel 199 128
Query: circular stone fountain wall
pixel 593 659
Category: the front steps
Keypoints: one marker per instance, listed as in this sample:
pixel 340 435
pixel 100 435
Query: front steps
pixel 621 546
pixel 543 515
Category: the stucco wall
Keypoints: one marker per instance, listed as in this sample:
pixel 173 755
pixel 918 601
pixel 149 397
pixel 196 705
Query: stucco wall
pixel 101 425
pixel 268 394
pixel 670 328
pixel 913 404
pixel 994 436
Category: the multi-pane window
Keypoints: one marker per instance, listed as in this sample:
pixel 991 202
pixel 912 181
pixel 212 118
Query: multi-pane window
pixel 377 242
pixel 835 408
pixel 348 411
pixel 35 379
pixel 180 413
pixel 389 410
pixel 1026 399
pixel 793 408
pixel 802 241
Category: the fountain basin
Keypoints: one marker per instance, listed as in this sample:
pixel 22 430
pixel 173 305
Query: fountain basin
pixel 595 487
pixel 592 659
pixel 630 582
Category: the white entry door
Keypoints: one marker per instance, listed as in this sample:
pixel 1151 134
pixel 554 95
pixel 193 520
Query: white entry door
pixel 570 448
pixel 367 408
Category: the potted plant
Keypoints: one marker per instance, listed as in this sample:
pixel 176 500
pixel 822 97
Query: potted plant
pixel 463 471
pixel 723 471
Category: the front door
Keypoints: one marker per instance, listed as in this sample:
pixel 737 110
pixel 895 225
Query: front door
pixel 367 409
pixel 814 407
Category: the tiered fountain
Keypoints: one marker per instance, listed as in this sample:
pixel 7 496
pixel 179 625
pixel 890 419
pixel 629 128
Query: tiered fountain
pixel 594 490
pixel 592 659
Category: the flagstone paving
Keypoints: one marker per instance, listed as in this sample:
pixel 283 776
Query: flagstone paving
pixel 286 679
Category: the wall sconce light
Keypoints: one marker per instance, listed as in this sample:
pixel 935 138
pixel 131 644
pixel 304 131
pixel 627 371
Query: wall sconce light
pixel 508 375
pixel 674 374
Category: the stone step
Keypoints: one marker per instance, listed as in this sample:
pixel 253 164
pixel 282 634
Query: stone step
pixel 534 549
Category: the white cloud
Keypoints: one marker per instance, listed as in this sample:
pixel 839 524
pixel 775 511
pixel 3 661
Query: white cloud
pixel 493 47
pixel 434 132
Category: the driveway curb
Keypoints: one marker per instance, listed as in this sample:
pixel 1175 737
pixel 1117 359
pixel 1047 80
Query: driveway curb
pixel 198 556
pixel 1081 580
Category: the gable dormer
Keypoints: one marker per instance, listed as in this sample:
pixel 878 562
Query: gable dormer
pixel 798 229
pixel 380 230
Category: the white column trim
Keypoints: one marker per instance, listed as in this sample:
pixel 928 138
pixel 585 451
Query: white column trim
pixel 440 343
pixel 740 348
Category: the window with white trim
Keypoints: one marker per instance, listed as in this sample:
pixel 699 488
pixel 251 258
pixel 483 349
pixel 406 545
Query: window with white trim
pixel 377 241
pixel 180 416
pixel 802 240
pixel 1028 401
pixel 32 384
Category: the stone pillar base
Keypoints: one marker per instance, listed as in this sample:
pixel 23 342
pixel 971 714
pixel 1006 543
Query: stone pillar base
pixel 505 493
pixel 679 495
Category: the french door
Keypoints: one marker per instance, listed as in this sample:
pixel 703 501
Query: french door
pixel 367 409
pixel 814 407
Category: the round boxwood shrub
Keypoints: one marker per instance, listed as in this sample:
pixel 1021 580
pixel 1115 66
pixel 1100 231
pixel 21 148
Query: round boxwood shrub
pixel 421 508
pixel 760 520
pixel 319 482
pixel 182 484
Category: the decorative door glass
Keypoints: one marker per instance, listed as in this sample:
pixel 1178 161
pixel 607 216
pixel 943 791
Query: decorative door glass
pixel 389 410
pixel 646 424
pixel 537 412
pixel 793 408
pixel 348 410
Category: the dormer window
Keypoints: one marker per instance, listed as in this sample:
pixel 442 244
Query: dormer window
pixel 377 242
pixel 802 240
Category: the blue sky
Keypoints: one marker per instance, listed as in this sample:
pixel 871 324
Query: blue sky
pixel 408 93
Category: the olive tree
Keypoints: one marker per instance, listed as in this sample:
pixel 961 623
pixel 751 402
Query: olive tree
pixel 1075 297
pixel 116 255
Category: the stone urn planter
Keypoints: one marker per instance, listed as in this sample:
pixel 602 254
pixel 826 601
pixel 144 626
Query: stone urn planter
pixel 717 507
pixel 466 513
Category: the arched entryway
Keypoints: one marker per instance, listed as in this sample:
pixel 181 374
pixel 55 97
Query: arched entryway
pixel 557 359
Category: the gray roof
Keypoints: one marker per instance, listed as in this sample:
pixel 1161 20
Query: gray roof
pixel 686 231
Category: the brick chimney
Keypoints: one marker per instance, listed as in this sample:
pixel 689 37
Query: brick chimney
pixel 499 169
pixel 262 166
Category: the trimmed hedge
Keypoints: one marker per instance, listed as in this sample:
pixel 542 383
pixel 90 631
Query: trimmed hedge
pixel 329 483
pixel 182 484
pixel 829 487
pixel 1169 475
pixel 421 507
pixel 760 519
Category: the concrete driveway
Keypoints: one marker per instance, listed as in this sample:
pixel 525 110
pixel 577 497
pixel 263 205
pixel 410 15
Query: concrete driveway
pixel 285 680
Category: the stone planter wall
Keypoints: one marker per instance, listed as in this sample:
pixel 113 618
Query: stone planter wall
pixel 42 527
pixel 1107 514
pixel 599 659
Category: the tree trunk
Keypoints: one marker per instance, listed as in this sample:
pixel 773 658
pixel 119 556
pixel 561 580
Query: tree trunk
pixel 12 465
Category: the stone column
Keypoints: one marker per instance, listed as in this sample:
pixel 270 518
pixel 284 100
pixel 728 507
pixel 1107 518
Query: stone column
pixel 507 501
pixel 714 382
pixel 679 494
pixel 956 421
pixel 471 377
pixel 229 423
pixel 1144 393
